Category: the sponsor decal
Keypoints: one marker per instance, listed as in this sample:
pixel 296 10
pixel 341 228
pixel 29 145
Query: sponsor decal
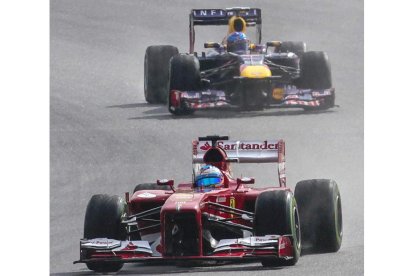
pixel 260 240
pixel 241 146
pixel 277 93
pixel 245 13
pixel 221 199
pixel 209 13
pixel 248 146
pixel 147 195
pixel 245 151
pixel 183 196
pixel 130 246
pixel 97 242
pixel 195 145
pixel 101 243
pixel 321 93
pixel 265 239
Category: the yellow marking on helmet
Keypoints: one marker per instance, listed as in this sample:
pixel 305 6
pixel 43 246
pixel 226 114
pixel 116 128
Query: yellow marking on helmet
pixel 231 24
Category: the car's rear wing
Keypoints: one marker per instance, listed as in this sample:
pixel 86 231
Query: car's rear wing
pixel 252 16
pixel 267 151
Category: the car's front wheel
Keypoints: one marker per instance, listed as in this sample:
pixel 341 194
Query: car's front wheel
pixel 184 76
pixel 315 71
pixel 276 213
pixel 297 47
pixel 103 218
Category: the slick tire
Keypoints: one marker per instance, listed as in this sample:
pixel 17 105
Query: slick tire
pixel 184 76
pixel 150 186
pixel 297 47
pixel 276 212
pixel 185 73
pixel 103 220
pixel 315 71
pixel 320 213
pixel 156 72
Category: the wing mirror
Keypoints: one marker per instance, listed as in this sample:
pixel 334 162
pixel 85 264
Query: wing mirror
pixel 166 182
pixel 273 43
pixel 211 45
pixel 245 180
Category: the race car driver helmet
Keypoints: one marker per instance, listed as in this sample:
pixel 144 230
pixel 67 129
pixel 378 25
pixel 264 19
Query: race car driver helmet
pixel 209 176
pixel 237 43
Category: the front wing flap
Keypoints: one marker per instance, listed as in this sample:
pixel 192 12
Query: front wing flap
pixel 252 248
pixel 217 99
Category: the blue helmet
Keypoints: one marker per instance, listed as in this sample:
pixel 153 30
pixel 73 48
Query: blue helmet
pixel 237 43
pixel 209 176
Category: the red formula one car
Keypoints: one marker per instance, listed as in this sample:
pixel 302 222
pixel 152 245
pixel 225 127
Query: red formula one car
pixel 214 217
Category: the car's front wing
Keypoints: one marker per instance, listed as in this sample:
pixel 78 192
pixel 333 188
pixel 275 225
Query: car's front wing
pixel 282 97
pixel 237 250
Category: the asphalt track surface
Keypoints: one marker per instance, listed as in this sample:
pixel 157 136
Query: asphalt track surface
pixel 106 139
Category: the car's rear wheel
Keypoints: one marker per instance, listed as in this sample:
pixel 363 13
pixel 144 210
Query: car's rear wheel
pixel 156 72
pixel 315 71
pixel 184 76
pixel 103 218
pixel 276 212
pixel 320 212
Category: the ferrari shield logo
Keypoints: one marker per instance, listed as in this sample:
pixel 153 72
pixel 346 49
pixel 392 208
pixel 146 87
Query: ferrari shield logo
pixel 232 202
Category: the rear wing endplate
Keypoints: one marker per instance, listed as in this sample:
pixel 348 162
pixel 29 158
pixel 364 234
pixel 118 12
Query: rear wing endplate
pixel 267 151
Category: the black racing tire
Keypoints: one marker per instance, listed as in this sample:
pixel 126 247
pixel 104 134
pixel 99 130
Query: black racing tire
pixel 184 73
pixel 184 76
pixel 297 47
pixel 315 71
pixel 320 212
pixel 156 72
pixel 150 186
pixel 276 212
pixel 103 218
